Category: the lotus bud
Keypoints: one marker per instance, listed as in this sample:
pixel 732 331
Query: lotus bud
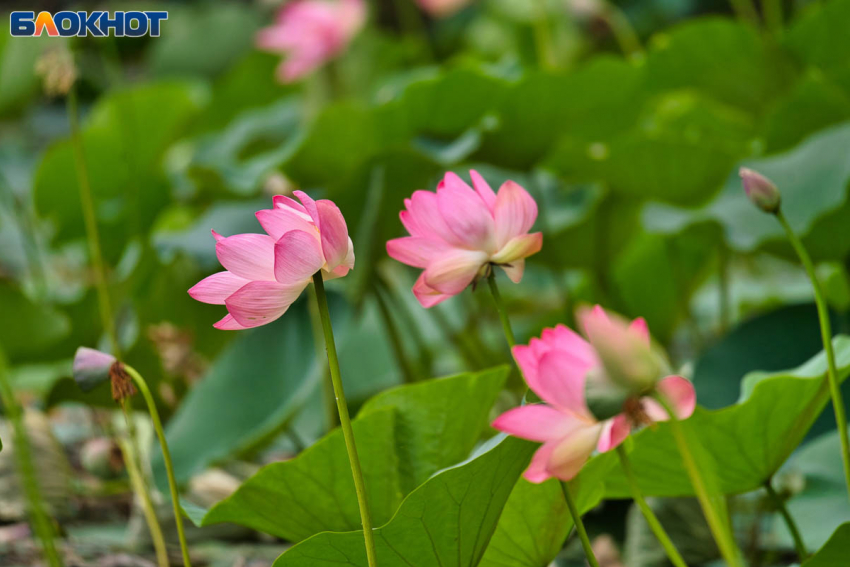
pixel 91 367
pixel 624 351
pixel 760 190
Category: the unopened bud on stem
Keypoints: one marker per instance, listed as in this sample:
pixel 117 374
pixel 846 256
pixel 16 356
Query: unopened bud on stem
pixel 760 190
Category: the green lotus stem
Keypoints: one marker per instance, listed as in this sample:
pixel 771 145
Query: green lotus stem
pixel 408 321
pixel 745 11
pixel 651 519
pixel 41 521
pixel 345 420
pixel 105 307
pixel 142 386
pixel 826 336
pixel 467 347
pixel 137 481
pixel 623 31
pixel 543 36
pixel 779 502
pixel 500 308
pixel 582 533
pixel 412 23
pixel 568 497
pixel 716 522
pixel 772 10
pixel 725 302
pixel 92 236
pixel 328 397
pixel 407 370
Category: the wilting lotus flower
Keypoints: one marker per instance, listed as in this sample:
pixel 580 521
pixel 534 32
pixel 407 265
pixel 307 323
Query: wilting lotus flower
pixel 91 367
pixel 265 273
pixel 311 32
pixel 442 8
pixel 458 233
pixel 556 367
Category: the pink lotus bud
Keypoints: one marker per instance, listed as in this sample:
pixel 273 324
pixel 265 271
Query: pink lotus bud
pixel 265 273
pixel 442 8
pixel 557 367
pixel 310 33
pixel 623 350
pixel 760 190
pixel 458 233
pixel 91 367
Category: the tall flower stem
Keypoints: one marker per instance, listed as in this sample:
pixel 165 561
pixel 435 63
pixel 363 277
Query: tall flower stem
pixel 500 309
pixel 105 307
pixel 779 503
pixel 716 521
pixel 745 11
pixel 582 533
pixel 344 419
pixel 568 497
pixel 137 481
pixel 651 519
pixel 328 397
pixel 826 336
pixel 407 369
pixel 622 30
pixel 41 522
pixel 543 36
pixel 725 303
pixel 772 10
pixel 166 457
pixel 87 202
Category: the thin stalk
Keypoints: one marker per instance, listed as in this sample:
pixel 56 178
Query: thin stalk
pixel 142 386
pixel 772 11
pixel 725 302
pixel 779 503
pixel 745 11
pixel 412 23
pixel 410 375
pixel 105 308
pixel 344 419
pixel 716 522
pixel 328 397
pixel 543 36
pixel 87 202
pixel 468 348
pixel 41 521
pixel 651 519
pixel 137 481
pixel 408 321
pixel 500 308
pixel 626 36
pixel 582 533
pixel 826 336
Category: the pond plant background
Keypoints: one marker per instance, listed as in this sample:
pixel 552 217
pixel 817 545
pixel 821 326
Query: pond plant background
pixel 626 123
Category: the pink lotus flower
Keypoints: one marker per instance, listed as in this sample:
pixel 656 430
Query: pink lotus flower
pixel 442 8
pixel 458 233
pixel 311 32
pixel 265 273
pixel 557 367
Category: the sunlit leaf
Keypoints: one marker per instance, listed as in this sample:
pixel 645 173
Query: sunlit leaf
pixel 449 520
